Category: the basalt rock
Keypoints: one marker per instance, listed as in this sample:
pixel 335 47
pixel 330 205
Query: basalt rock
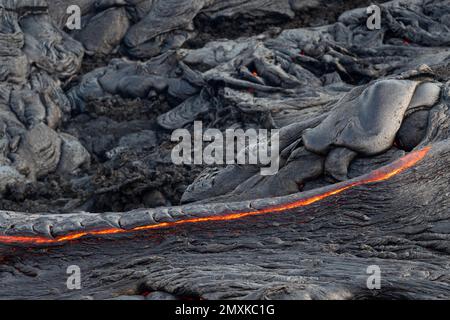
pixel 160 75
pixel 85 149
pixel 365 119
pixel 145 29
pixel 36 54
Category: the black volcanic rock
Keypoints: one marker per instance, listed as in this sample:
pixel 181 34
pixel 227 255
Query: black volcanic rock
pixel 87 179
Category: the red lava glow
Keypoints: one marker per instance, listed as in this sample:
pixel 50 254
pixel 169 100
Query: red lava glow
pixel 379 175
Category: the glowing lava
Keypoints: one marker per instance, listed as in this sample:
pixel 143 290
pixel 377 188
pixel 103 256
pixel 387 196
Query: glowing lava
pixel 379 175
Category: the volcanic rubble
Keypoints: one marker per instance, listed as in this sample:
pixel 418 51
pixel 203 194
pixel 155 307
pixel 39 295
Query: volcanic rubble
pixel 86 118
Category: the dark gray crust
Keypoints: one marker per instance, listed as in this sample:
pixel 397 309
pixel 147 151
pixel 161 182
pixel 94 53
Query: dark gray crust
pixel 347 101
pixel 320 251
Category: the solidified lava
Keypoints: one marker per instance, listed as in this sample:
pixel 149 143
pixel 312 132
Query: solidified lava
pixel 86 122
pixel 379 175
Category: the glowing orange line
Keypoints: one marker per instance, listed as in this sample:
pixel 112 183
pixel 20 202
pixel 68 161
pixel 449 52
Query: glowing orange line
pixel 379 175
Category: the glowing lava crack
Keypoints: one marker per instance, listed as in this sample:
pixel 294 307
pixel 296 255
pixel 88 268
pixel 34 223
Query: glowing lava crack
pixel 379 175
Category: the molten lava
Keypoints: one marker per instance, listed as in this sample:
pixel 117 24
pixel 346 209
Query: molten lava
pixel 379 175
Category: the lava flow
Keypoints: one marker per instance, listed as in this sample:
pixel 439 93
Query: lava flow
pixel 379 175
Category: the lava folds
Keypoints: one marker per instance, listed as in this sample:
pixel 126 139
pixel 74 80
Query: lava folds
pixel 378 175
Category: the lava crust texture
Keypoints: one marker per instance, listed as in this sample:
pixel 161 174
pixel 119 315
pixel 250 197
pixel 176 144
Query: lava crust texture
pixel 86 175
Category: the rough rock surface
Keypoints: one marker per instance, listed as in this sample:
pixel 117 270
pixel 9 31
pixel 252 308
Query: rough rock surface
pixel 85 123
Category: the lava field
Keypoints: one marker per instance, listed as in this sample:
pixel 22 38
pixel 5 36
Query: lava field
pixel 99 97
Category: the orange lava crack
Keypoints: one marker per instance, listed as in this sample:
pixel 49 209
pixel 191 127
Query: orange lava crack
pixel 379 175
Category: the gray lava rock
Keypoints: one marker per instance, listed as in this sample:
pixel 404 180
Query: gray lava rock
pixel 9 176
pixel 338 161
pixel 165 27
pixel 73 155
pixel 102 37
pixel 366 123
pixel 159 295
pixel 413 130
pixel 49 48
pixel 39 151
pixel 339 92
